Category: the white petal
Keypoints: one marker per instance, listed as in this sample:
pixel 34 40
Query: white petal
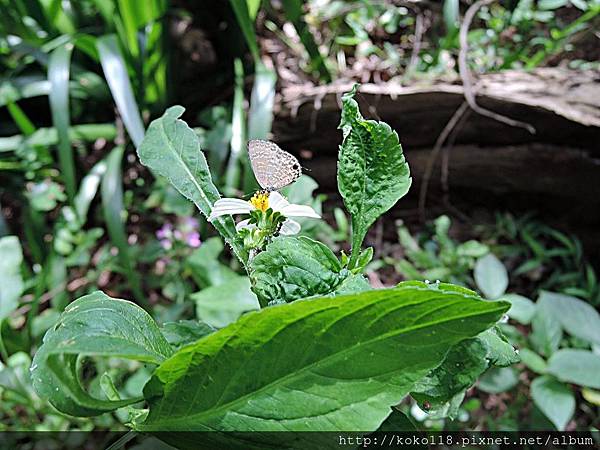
pixel 277 201
pixel 227 206
pixel 292 210
pixel 244 224
pixel 289 227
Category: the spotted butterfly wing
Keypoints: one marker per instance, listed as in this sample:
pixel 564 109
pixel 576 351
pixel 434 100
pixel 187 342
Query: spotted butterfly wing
pixel 273 167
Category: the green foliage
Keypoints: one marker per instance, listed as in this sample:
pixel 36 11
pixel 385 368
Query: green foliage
pixel 254 343
pixel 94 325
pixel 554 399
pixel 372 172
pixel 172 150
pixel 437 256
pixel 491 276
pixel 292 268
pixel 222 304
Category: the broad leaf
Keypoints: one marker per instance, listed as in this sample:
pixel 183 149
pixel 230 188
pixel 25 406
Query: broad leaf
pixel 184 332
pixel 533 361
pixel 205 266
pixel 464 363
pixel 292 268
pixel 372 172
pixel 522 309
pixel 11 281
pixel 554 399
pixel 93 325
pixel 577 317
pixel 497 380
pixel 220 305
pixel 336 363
pixel 500 352
pixel 546 330
pixel 576 366
pixel 171 149
pixel 491 276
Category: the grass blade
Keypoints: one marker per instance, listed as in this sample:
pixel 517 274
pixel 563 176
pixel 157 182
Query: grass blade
pixel 232 176
pixel 240 8
pixel 112 204
pixel 48 136
pixel 260 116
pixel 58 75
pixel 294 13
pixel 116 75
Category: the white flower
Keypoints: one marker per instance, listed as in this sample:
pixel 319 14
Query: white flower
pixel 263 201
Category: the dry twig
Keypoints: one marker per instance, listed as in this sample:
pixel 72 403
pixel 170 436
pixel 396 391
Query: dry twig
pixel 465 73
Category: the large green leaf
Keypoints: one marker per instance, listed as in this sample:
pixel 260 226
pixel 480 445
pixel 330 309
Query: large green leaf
pixel 220 305
pixel 11 281
pixel 576 366
pixel 463 364
pixel 171 149
pixel 372 172
pixel 576 317
pixel 93 325
pixel 554 399
pixel 335 363
pixel 292 268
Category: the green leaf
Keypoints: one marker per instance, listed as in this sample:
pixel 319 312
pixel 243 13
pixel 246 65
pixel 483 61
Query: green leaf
pixel 11 281
pixel 171 149
pixel 93 325
pixel 554 399
pixel 58 74
pixel 497 380
pixel 372 172
pixel 397 421
pixel 576 366
pixel 546 330
pixel 491 276
pixel 522 309
pixel 336 363
pixel 115 71
pixel 294 267
pixel 533 361
pixel 220 305
pixel 500 352
pixel 205 266
pixel 184 332
pixel 461 368
pixel 240 8
pixel 577 317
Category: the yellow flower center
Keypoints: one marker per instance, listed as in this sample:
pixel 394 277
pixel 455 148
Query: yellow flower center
pixel 260 201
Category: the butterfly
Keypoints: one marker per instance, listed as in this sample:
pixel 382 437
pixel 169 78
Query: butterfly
pixel 273 167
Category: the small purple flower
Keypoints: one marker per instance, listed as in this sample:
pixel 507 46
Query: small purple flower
pixel 166 244
pixel 165 232
pixel 193 239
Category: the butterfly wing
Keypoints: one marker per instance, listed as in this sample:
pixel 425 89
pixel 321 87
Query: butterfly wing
pixel 273 167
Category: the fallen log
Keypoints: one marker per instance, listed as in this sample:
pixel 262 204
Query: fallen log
pixel 559 163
